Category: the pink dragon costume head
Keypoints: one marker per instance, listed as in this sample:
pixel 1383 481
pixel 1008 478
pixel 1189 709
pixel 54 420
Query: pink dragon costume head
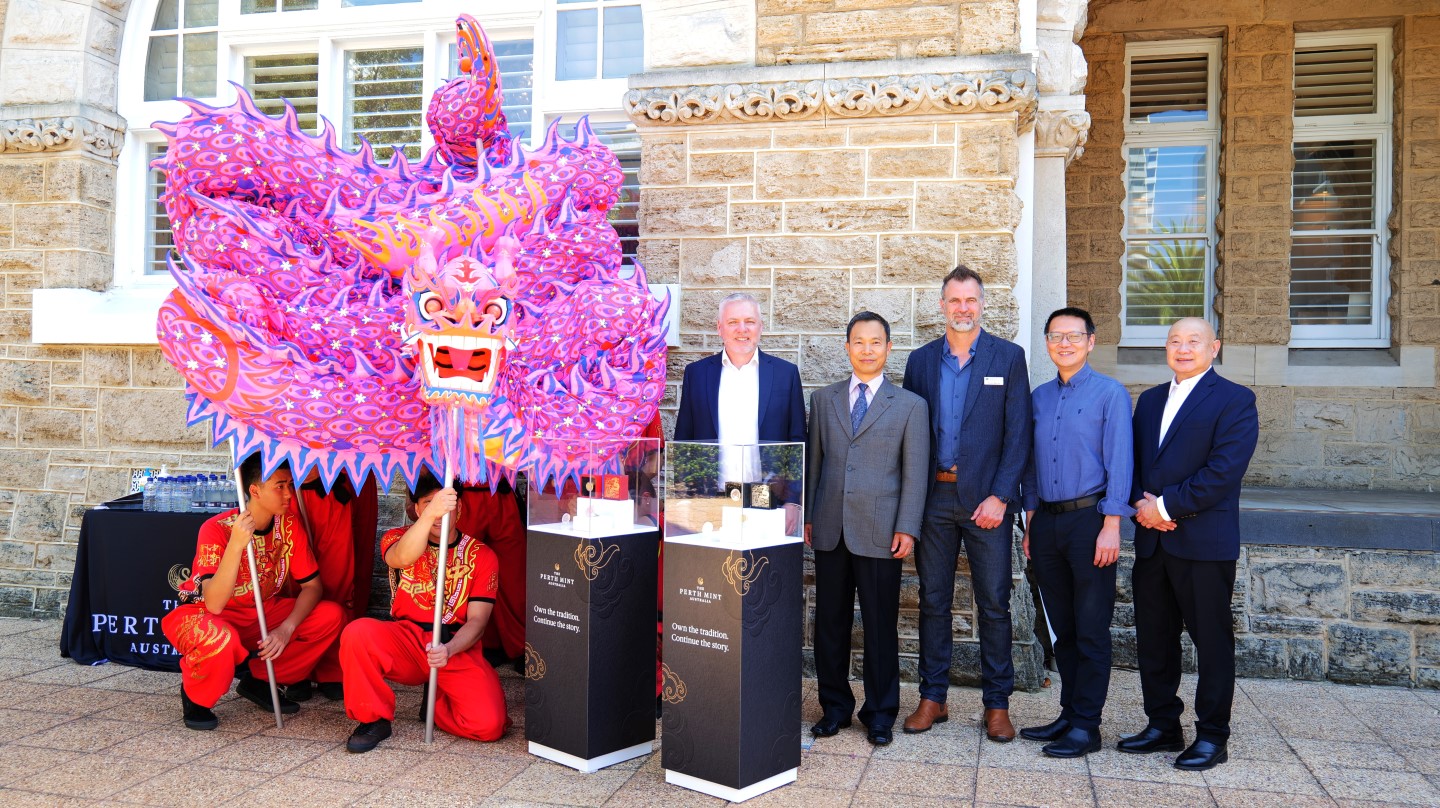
pixel 469 309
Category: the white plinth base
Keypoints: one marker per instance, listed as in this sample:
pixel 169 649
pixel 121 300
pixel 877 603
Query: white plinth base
pixel 726 792
pixel 594 764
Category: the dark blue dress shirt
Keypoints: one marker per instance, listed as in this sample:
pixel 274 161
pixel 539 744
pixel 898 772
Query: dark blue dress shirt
pixel 1083 442
pixel 954 382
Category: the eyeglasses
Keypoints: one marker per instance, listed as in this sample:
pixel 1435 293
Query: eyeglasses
pixel 1072 337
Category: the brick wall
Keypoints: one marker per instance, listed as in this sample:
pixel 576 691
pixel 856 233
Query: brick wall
pixel 806 31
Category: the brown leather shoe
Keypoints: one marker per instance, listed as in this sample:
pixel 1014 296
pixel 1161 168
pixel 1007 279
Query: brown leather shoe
pixel 997 725
pixel 927 714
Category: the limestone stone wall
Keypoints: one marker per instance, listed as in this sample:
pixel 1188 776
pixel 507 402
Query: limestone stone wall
pixel 808 31
pixel 1353 616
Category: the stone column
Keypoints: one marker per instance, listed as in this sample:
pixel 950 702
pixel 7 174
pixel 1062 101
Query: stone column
pixel 1059 138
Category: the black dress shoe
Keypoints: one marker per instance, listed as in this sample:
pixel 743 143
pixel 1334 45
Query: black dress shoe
pixel 1078 742
pixel 879 736
pixel 1202 755
pixel 197 717
pixel 333 691
pixel 1152 739
pixel 1050 732
pixel 300 691
pixel 257 692
pixel 826 727
pixel 367 736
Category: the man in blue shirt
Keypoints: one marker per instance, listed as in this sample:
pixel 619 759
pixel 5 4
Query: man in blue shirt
pixel 1076 492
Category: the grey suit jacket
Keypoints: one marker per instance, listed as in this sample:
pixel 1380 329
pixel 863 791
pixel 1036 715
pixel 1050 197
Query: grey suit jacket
pixel 870 485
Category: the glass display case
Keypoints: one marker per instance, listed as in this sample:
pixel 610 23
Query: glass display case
pixel 734 496
pixel 618 494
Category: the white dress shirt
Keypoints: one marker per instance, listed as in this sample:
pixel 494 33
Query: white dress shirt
pixel 870 385
pixel 1179 391
pixel 739 415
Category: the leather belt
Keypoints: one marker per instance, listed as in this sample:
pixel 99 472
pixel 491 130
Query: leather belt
pixel 945 477
pixel 1070 504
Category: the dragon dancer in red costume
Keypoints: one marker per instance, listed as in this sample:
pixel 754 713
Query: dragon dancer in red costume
pixel 216 626
pixel 469 702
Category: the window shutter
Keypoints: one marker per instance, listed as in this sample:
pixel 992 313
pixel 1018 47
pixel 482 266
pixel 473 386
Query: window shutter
pixel 1170 88
pixel 1335 80
pixel 272 80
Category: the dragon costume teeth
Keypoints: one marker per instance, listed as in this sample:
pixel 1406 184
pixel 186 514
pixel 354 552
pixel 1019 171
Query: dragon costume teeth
pixel 335 313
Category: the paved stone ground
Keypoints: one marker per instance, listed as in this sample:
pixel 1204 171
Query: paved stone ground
pixel 76 735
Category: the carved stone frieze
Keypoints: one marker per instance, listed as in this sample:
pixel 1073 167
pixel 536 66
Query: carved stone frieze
pixel 1061 133
pixel 21 135
pixel 877 97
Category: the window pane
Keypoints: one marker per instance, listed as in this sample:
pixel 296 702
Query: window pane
pixel 622 139
pixel 167 16
pixel 199 77
pixel 1335 80
pixel 624 43
pixel 383 101
pixel 272 80
pixel 350 3
pixel 1164 281
pixel 158 243
pixel 1330 280
pixel 1334 186
pixel 1166 190
pixel 162 66
pixel 1169 89
pixel 575 40
pixel 201 13
pixel 516 58
pixel 256 6
pixel 300 5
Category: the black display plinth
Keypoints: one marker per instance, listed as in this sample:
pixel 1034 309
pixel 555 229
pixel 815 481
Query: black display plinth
pixel 732 666
pixel 590 646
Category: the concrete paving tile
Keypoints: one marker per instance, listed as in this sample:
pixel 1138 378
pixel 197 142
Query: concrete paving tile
pixel 546 778
pixel 645 790
pixel 136 680
pixel 444 771
pixel 1240 798
pixel 791 796
pixel 182 787
pixel 11 669
pixel 1030 788
pixel 78 701
pixel 29 646
pixel 1350 755
pixel 20 762
pixel 146 708
pixel 22 694
pixel 818 770
pixel 1025 755
pixel 377 768
pixel 1126 793
pixel 1322 726
pixel 931 747
pixel 1359 694
pixel 84 735
pixel 852 742
pixel 1372 804
pixel 867 800
pixel 10 626
pixel 16 724
pixel 919 779
pixel 310 725
pixel 273 755
pixel 67 673
pixel 289 790
pixel 15 798
pixel 1369 784
pixel 1262 775
pixel 1423 759
pixel 409 734
pixel 1268 746
pixel 390 797
pixel 1158 768
pixel 176 744
pixel 93 776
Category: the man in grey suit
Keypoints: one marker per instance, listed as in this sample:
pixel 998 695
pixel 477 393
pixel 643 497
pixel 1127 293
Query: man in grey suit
pixel 867 464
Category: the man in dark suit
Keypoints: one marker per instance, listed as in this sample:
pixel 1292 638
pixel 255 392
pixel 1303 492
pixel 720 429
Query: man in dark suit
pixel 721 394
pixel 864 497
pixel 978 391
pixel 1193 441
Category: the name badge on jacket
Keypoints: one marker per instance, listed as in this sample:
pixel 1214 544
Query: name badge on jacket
pixel 996 380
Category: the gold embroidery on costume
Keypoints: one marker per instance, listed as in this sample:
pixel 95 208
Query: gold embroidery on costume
pixel 205 638
pixel 493 585
pixel 418 581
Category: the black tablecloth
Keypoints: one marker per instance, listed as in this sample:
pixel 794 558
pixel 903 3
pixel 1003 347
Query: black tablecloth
pixel 126 568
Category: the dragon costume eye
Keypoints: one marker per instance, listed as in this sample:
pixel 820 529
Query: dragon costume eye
pixel 430 304
pixel 498 310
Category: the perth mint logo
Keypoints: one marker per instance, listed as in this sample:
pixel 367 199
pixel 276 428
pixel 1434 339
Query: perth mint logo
pixel 699 593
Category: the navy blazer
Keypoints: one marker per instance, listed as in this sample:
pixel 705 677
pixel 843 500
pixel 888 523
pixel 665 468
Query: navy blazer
pixel 782 404
pixel 1198 469
pixel 996 433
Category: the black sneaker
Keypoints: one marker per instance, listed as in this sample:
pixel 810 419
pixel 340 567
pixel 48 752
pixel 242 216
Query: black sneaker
pixel 300 691
pixel 333 691
pixel 367 736
pixel 196 717
pixel 257 692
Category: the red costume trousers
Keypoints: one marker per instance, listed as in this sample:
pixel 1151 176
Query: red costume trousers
pixel 495 519
pixel 332 539
pixel 212 646
pixel 468 700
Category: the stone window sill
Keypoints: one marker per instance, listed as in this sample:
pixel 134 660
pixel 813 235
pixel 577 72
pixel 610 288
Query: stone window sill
pixel 1278 365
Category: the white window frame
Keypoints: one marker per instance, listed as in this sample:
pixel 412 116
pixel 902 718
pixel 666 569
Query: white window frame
pixel 1371 126
pixel 125 313
pixel 1188 133
pixel 575 96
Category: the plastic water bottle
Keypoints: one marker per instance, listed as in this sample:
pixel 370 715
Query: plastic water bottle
pixel 162 495
pixel 147 496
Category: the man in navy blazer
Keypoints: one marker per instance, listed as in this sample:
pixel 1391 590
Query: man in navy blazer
pixel 774 404
pixel 1193 440
pixel 978 392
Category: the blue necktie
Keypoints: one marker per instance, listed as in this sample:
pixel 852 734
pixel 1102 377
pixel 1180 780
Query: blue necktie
pixel 857 413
